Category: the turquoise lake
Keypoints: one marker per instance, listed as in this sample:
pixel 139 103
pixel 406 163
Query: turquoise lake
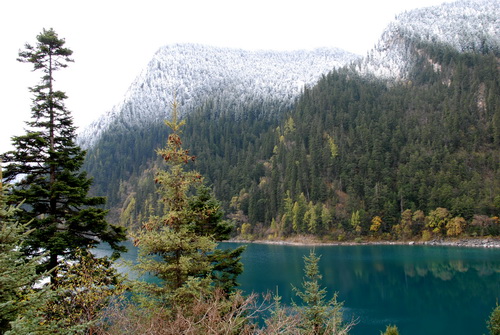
pixel 421 289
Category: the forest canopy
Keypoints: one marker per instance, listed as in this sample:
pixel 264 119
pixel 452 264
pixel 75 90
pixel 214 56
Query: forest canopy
pixel 352 150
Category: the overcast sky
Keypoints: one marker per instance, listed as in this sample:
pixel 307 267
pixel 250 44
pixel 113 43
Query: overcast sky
pixel 113 40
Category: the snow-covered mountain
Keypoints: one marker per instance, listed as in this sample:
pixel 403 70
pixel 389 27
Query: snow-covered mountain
pixel 196 73
pixel 466 25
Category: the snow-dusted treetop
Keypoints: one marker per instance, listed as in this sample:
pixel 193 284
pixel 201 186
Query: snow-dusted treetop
pixel 466 25
pixel 195 73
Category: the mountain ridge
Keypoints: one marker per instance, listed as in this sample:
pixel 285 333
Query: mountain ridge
pixel 194 73
pixel 365 114
pixel 464 25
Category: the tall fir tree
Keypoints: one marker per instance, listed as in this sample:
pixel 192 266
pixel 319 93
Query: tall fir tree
pixel 45 167
pixel 179 246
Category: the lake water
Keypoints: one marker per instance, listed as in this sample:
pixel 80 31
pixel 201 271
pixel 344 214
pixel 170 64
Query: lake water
pixel 421 289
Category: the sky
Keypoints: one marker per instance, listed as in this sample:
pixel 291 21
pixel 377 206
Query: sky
pixel 113 40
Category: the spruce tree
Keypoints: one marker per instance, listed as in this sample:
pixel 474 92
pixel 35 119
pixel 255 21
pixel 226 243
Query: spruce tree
pixel 179 246
pixel 45 167
pixel 17 273
pixel 318 315
pixel 226 265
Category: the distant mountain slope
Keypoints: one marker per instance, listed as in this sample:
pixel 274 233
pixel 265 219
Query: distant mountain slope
pixel 423 137
pixel 465 25
pixel 195 73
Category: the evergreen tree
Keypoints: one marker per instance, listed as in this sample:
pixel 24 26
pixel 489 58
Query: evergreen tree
pixel 46 164
pixel 494 321
pixel 318 315
pixel 210 216
pixel 85 288
pixel 210 222
pixel 298 212
pixel 311 218
pixel 287 218
pixel 178 246
pixel 17 273
pixel 356 222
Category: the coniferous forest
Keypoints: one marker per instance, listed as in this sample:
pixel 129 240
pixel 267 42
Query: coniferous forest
pixel 355 156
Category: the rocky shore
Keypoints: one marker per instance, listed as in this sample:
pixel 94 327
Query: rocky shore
pixel 477 243
pixel 466 242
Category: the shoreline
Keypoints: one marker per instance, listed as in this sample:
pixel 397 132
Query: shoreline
pixel 465 242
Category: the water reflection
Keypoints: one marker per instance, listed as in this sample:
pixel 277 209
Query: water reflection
pixel 447 270
pixel 431 290
pixel 421 289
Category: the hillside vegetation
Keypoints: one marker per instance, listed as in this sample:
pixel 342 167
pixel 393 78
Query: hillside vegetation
pixel 351 157
pixel 355 149
pixel 403 143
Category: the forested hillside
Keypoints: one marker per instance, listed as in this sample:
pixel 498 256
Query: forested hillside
pixel 244 86
pixel 355 149
pixel 411 155
pixel 124 165
pixel 360 147
pixel 351 150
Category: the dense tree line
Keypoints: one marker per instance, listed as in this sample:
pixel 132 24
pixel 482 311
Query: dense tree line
pixel 311 172
pixel 122 165
pixel 355 149
pixel 353 157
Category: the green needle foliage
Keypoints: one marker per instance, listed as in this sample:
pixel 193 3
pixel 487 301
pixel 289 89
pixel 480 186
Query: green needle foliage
pixel 494 321
pixel 210 222
pixel 78 302
pixel 318 315
pixel 178 246
pixel 17 273
pixel 45 167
